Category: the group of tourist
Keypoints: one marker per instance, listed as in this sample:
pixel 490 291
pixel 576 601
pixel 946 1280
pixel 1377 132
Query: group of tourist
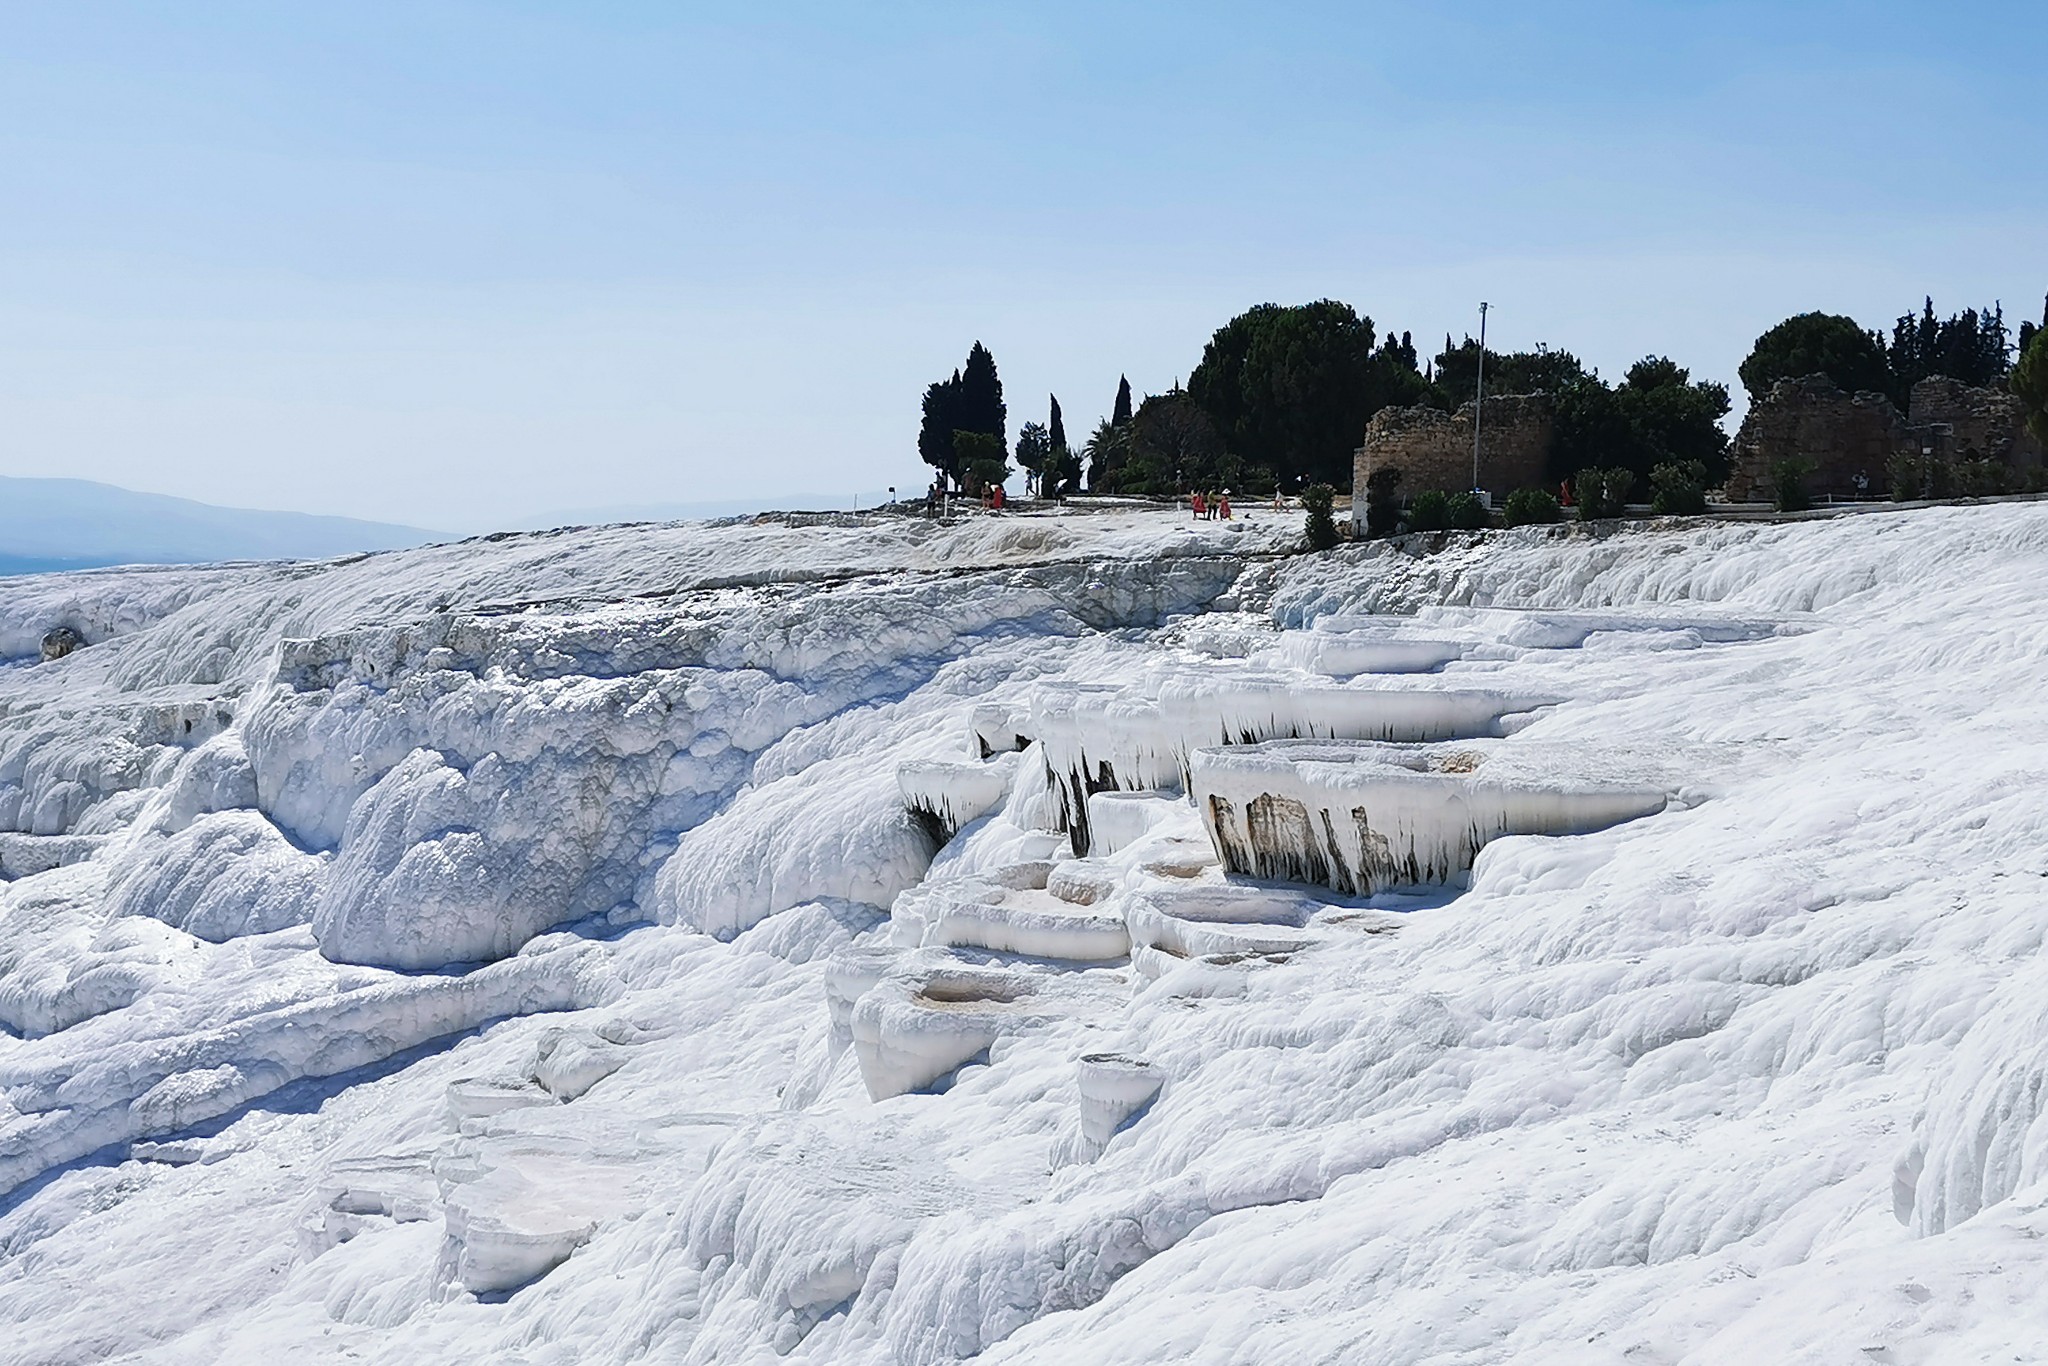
pixel 1211 507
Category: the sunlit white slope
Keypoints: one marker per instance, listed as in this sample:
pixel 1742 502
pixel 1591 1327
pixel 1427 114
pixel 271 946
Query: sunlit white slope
pixel 1758 1077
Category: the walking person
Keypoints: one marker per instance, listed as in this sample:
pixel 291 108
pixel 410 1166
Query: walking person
pixel 1195 503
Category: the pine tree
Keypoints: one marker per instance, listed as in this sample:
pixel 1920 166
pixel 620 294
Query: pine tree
pixel 1122 412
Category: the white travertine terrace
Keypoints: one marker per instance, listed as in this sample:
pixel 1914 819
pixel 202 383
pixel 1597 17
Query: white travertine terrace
pixel 1363 817
pixel 1703 1086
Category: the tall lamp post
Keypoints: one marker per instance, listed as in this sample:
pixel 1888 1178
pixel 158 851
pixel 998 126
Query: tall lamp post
pixel 1479 404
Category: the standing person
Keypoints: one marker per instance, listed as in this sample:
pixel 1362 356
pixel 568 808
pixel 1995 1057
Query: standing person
pixel 1195 503
pixel 995 496
pixel 1223 506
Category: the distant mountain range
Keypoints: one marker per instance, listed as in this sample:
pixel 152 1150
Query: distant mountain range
pixel 695 512
pixel 54 524
pixel 48 525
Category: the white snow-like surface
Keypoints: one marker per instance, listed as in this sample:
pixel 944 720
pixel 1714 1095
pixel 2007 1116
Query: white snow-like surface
pixel 1367 817
pixel 1139 737
pixel 951 793
pixel 495 952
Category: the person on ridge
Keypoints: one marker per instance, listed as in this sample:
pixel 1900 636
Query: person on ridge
pixel 1223 506
pixel 1195 503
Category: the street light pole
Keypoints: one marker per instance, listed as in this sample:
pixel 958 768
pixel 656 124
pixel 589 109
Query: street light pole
pixel 1479 405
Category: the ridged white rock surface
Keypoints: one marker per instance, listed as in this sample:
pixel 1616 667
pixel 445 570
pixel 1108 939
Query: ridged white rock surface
pixel 1365 818
pixel 1757 1078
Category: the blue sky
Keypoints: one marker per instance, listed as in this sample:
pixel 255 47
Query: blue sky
pixel 455 263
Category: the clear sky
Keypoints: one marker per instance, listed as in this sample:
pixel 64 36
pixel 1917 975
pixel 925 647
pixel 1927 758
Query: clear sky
pixel 453 263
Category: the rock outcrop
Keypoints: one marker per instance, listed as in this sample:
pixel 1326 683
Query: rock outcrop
pixel 60 642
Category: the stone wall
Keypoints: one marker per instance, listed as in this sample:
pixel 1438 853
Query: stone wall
pixel 1840 435
pixel 1433 449
pixel 1844 435
pixel 1961 423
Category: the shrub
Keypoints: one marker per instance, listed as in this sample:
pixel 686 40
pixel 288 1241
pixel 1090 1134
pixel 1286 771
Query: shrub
pixel 1531 507
pixel 1431 511
pixel 1467 512
pixel 1981 477
pixel 982 460
pixel 1908 476
pixel 1938 479
pixel 1680 489
pixel 1382 504
pixel 1602 493
pixel 1320 532
pixel 1788 482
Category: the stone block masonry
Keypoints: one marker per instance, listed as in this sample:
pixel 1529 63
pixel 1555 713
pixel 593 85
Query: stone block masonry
pixel 1845 435
pixel 1433 449
pixel 1963 423
pixel 1840 435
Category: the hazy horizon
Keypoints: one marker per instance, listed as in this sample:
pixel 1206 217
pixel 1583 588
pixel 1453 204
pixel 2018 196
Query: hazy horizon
pixel 444 265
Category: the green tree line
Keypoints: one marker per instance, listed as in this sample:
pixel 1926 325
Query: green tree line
pixel 1282 394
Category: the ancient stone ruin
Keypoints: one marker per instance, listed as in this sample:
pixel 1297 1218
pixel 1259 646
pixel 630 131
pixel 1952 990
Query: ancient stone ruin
pixel 1961 422
pixel 1850 439
pixel 1433 449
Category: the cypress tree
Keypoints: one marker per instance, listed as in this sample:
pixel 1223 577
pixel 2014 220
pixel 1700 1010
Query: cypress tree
pixel 941 419
pixel 2028 330
pixel 1972 346
pixel 1059 428
pixel 1122 412
pixel 981 397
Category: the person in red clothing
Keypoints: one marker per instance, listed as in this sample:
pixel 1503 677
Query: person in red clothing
pixel 1223 506
pixel 1196 504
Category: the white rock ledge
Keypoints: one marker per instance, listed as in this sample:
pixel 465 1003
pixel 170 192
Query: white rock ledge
pixel 948 794
pixel 1098 739
pixel 1114 1087
pixel 915 1026
pixel 1362 818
